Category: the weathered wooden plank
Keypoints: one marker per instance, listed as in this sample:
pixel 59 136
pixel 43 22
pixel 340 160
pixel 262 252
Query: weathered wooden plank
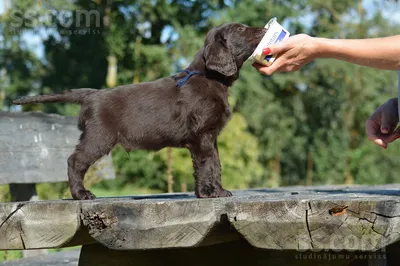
pixel 26 192
pixel 358 218
pixel 34 148
pixel 149 224
pixel 349 221
pixel 41 224
pixel 281 220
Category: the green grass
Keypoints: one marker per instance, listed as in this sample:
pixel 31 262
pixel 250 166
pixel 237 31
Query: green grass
pixel 54 250
pixel 10 255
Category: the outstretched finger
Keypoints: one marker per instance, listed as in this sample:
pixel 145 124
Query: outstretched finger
pixel 267 70
pixel 260 68
pixel 387 122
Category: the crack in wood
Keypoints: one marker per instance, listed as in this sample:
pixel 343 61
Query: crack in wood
pixel 19 206
pixel 20 235
pixel 308 227
pixel 373 227
pixel 364 219
pixel 22 241
pixel 386 216
pixel 373 224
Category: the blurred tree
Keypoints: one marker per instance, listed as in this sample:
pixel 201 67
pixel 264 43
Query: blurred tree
pixel 20 69
pixel 270 104
pixel 342 96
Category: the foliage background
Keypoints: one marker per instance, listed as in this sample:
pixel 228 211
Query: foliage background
pixel 302 128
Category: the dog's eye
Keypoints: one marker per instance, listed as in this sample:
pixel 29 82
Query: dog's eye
pixel 241 28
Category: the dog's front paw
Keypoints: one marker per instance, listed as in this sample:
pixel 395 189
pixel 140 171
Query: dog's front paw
pixel 83 194
pixel 212 192
pixel 225 193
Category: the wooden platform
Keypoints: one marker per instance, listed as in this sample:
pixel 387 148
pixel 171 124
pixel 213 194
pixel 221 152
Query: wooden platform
pixel 350 219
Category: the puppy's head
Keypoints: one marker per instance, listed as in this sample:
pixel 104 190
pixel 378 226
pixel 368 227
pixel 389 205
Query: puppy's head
pixel 227 47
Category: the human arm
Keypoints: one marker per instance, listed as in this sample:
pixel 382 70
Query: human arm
pixel 293 53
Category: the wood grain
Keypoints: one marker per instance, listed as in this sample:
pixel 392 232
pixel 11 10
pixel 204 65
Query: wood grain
pixel 41 224
pixel 34 148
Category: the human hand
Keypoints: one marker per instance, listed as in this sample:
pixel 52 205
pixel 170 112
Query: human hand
pixel 381 125
pixel 291 54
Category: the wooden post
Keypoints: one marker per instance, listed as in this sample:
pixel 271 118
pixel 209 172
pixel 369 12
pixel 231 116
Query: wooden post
pixel 23 192
pixel 376 262
pixel 309 175
pixel 184 187
pixel 112 70
pixel 170 178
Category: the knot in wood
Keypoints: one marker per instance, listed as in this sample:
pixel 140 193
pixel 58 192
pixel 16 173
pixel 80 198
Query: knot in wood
pixel 97 222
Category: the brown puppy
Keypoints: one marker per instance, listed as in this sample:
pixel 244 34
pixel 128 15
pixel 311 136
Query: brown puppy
pixel 158 114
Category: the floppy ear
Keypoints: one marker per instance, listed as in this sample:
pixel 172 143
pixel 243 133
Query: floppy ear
pixel 218 58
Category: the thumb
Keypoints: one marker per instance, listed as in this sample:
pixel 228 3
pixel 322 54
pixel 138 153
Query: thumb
pixel 381 143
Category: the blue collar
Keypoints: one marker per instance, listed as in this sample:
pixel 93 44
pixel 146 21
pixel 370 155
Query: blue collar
pixel 189 73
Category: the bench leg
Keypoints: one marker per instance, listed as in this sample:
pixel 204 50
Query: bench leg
pixel 374 262
pixel 23 192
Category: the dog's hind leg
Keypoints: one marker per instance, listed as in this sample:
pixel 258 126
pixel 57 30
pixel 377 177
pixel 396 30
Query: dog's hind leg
pixel 92 147
pixel 207 168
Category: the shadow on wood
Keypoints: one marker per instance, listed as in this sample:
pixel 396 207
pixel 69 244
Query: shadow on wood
pixel 237 252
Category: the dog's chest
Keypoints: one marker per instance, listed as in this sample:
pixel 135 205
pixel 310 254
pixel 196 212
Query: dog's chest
pixel 221 113
pixel 226 114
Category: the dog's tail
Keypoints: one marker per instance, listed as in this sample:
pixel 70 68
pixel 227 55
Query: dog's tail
pixel 70 96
